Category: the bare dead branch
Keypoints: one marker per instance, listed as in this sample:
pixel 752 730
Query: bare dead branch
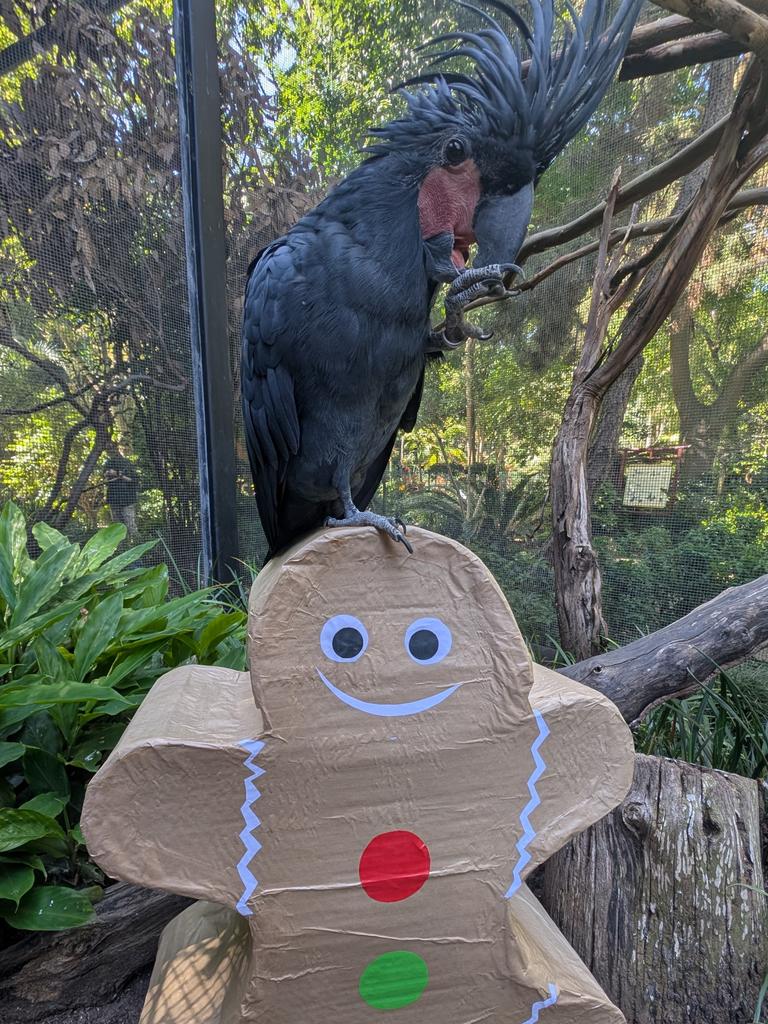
pixel 731 166
pixel 682 163
pixel 675 660
pixel 664 30
pixel 744 24
pixel 680 53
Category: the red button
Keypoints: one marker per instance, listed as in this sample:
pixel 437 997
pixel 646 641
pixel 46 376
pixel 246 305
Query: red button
pixel 394 866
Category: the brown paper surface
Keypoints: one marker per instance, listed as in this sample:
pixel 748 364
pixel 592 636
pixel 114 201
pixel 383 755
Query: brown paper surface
pixel 373 821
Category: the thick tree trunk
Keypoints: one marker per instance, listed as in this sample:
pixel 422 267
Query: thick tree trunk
pixel 654 897
pixel 603 450
pixel 577 572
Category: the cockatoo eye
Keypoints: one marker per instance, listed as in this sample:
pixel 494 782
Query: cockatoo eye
pixel 428 641
pixel 455 152
pixel 343 638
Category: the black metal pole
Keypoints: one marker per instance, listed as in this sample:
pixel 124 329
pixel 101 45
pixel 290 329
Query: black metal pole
pixel 201 168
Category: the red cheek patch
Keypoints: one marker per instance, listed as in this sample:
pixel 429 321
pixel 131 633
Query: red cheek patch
pixel 447 201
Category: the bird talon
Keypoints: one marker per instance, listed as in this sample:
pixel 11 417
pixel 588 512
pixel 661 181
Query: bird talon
pixel 399 522
pixel 405 542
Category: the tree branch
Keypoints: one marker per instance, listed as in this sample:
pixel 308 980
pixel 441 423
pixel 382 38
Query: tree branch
pixel 663 30
pixel 681 53
pixel 676 660
pixel 682 163
pixel 737 157
pixel 748 197
pixel 736 20
pixel 57 30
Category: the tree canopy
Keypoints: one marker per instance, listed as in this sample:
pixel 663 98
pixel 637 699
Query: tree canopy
pixel 94 338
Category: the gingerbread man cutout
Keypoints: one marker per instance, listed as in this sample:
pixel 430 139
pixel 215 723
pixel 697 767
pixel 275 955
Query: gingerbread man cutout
pixel 365 815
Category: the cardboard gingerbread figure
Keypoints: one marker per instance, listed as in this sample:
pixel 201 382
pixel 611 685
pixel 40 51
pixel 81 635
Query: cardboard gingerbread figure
pixel 360 815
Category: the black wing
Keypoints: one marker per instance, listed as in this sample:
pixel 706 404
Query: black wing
pixel 269 408
pixel 364 496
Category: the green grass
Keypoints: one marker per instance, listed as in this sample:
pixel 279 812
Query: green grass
pixel 724 725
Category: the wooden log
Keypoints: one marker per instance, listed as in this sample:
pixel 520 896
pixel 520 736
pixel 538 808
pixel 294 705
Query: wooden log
pixel 662 30
pixel 654 897
pixel 675 660
pixel 55 973
pixel 680 53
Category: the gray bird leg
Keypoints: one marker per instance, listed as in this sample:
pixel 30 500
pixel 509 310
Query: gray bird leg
pixel 392 526
pixel 470 285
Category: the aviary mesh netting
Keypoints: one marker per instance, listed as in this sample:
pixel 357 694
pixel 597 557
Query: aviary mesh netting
pixel 97 419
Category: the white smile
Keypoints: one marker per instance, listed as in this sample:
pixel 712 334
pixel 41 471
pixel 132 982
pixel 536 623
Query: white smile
pixel 411 707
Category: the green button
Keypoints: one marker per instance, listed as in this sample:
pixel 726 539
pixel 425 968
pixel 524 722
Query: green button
pixel 393 980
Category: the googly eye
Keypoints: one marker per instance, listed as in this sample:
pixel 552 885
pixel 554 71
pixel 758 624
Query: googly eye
pixel 343 638
pixel 428 641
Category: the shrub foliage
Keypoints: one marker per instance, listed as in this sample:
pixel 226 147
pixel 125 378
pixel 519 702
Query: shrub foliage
pixel 84 632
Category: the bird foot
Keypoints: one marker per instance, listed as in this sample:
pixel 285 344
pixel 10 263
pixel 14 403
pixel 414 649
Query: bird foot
pixel 391 525
pixel 470 285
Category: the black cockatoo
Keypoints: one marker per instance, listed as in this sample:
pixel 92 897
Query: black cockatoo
pixel 336 330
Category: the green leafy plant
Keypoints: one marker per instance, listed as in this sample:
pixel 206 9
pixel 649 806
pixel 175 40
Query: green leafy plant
pixel 84 632
pixel 724 725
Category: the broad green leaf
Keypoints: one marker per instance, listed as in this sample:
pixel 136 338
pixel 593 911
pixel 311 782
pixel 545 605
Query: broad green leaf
pixel 52 847
pixel 10 752
pixel 150 589
pixel 217 629
pixel 13 537
pixel 15 880
pixel 39 586
pixel 98 738
pixel 51 908
pixel 90 764
pixel 66 718
pixel 231 654
pixel 38 624
pixel 77 835
pixel 50 660
pixel 41 731
pixel 98 630
pixel 7 586
pixel 127 702
pixel 11 718
pixel 101 545
pixel 19 827
pixel 178 609
pixel 115 565
pixel 46 536
pixel 54 693
pixel 123 667
pixel 24 857
pixel 44 772
pixel 49 804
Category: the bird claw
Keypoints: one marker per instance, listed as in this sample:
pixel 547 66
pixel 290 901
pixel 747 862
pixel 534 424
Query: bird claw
pixel 393 526
pixel 402 539
pixel 470 285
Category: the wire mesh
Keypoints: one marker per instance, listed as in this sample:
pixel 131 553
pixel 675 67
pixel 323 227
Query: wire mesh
pixel 679 479
pixel 95 375
pixel 97 423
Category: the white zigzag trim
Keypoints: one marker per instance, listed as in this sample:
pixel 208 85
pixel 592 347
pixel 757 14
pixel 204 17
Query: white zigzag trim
pixel 529 833
pixel 249 841
pixel 538 1007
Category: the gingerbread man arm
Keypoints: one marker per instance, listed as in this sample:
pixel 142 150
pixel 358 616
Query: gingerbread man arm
pixel 192 745
pixel 582 764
